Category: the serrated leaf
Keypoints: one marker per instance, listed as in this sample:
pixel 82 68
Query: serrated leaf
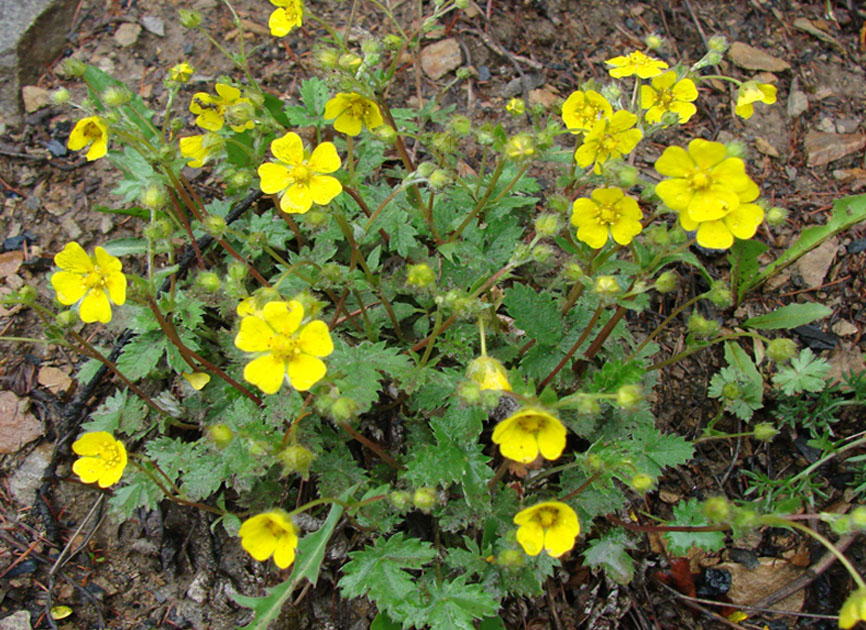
pixel 141 355
pixel 806 373
pixel 119 413
pixel 690 513
pixel 308 561
pixel 744 264
pixel 359 370
pixel 450 605
pixel 126 246
pixel 534 312
pixel 656 451
pixel 609 552
pixel 743 364
pixel 139 492
pixel 789 316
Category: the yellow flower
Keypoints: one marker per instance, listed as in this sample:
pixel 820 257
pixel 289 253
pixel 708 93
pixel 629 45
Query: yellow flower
pixel 285 348
pixel 609 138
pixel 270 534
pixel 181 72
pixel 526 433
pixel 581 110
pixel 96 279
pixel 93 131
pixel 289 15
pixel 710 191
pixel 552 526
pixel 196 380
pixel 636 63
pixel 351 112
pixel 488 373
pixel 199 149
pixel 609 211
pixel 296 176
pixel 210 110
pixel 666 94
pixel 853 610
pixel 516 107
pixel 520 147
pixel 753 92
pixel 102 458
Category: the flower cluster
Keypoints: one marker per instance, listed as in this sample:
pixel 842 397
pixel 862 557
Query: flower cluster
pixel 212 111
pixel 609 138
pixel 636 63
pixel 753 92
pixel 711 192
pixel 288 15
pixel 95 281
pixel 666 94
pixel 284 348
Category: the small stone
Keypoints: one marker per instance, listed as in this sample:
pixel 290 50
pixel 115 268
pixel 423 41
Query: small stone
pixel 822 148
pixel 127 34
pixel 844 328
pixel 16 621
pixel 544 97
pixel 751 58
pixel 10 262
pixel 55 379
pixel 814 265
pixel 198 588
pixel 25 481
pixel 71 228
pixel 34 98
pixel 106 224
pixel 826 125
pixel 153 25
pixel 798 103
pixel 847 125
pixel 440 58
pixel 18 427
pixel 765 147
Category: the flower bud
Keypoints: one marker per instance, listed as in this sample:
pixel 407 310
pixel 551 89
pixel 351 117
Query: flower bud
pixel 296 459
pixel 401 500
pixel 731 391
pixel 713 58
pixel 782 349
pixel 678 235
pixel 469 392
pixel 240 113
pixel 765 431
pixel 349 61
pixel 629 397
pixel 181 72
pixel 27 294
pixel 116 96
pixel 237 271
pixel 158 230
pixel 316 219
pixel 425 499
pixel 541 253
pixel 154 197
pixel 573 271
pixel 516 107
pixel 208 281
pixel 718 43
pixel 547 225
pixel 702 327
pixel 385 133
pixel 444 142
pixel 776 216
pixel 511 558
pixel 370 46
pixel 737 149
pixel 744 518
pixel 73 67
pixel 606 286
pixel 520 147
pixel 641 482
pixel 220 434
pixel 841 525
pixel 420 275
pixel 717 509
pixel 439 179
pixel 189 19
pixel 241 178
pixel 344 409
pixel 594 463
pixel 425 169
pixel 215 226
pixel 653 41
pixel 721 295
pixel 463 73
pixel 327 58
pixel 587 405
pixel 627 176
pixel 460 126
pixel 67 318
pixel 393 42
pixel 667 281
pixel 858 517
pixel 488 373
pixel 60 96
pixel 612 92
pixel 485 135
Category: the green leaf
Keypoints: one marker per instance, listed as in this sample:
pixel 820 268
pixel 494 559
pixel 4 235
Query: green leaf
pixel 314 93
pixel 744 264
pixel 806 373
pixel 846 212
pixel 97 81
pixel 656 451
pixel 609 553
pixel 141 355
pixel 275 106
pixel 691 513
pixel 308 561
pixel 743 364
pixel 126 246
pixel 384 622
pixel 789 316
pixel 450 605
pixel 358 370
pixel 534 312
pixel 378 572
pixel 139 491
pixel 119 413
pixel 135 211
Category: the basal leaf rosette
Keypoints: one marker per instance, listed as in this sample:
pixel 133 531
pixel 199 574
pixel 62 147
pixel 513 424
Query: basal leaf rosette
pixel 581 110
pixel 666 94
pixel 270 534
pixel 297 177
pixel 284 347
pixel 95 281
pixel 102 460
pixel 92 131
pixel 288 15
pixel 710 191
pixel 351 112
pixel 552 526
pixel 530 431
pixel 609 212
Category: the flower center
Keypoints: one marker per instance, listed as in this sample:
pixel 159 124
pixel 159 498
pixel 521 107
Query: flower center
pixel 301 174
pixel 608 214
pixel 664 98
pixel 110 455
pixel 547 517
pixel 531 424
pixel 95 279
pixel 700 180
pixel 275 529
pixel 284 347
pixel 92 131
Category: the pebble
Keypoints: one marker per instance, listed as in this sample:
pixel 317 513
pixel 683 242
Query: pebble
pixel 844 328
pixel 16 621
pixel 35 97
pixel 798 103
pixel 826 125
pixel 71 228
pixel 153 25
pixel 25 481
pixel 822 148
pixel 106 224
pixel 440 58
pixel 752 58
pixel 127 34
pixel 847 125
pixel 18 427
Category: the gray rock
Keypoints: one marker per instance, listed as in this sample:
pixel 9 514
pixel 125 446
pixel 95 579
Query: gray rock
pixel 127 34
pixel 153 25
pixel 32 33
pixel 16 621
pixel 25 481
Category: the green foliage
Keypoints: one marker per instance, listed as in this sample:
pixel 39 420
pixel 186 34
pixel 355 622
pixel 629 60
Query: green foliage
pixel 805 373
pixel 739 385
pixel 690 513
pixel 609 553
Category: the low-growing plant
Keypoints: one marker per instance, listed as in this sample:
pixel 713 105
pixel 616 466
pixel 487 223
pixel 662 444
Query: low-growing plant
pixel 365 326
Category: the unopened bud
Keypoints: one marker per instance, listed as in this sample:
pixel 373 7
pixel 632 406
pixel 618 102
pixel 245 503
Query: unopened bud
pixel 425 499
pixel 73 67
pixel 718 43
pixel 460 126
pixel 606 286
pixel 547 225
pixel 667 282
pixel 717 509
pixel 721 295
pixel 439 179
pixel 573 271
pixel 736 149
pixel 67 318
pixel 653 41
pixel 220 434
pixel 702 327
pixel 393 42
pixel 60 96
pixel 629 397
pixel 425 169
pixel 641 482
pixel 488 373
pixel 776 216
pixel 27 294
pixel 511 558
pixel 327 58
pixel 469 392
pixel 588 405
pixel 208 281
pixel 782 349
pixel 420 275
pixel 627 176
pixel 594 463
pixel 744 518
pixel 713 58
pixel 154 197
pixel 237 271
pixel 385 133
pixel 215 226
pixel 344 409
pixel 115 96
pixel 401 500
pixel 463 73
pixel 520 147
pixel 296 459
pixel 516 107
pixel 485 135
pixel 189 19
pixel 240 113
pixel 541 253
pixel 461 4
pixel 858 517
pixel 765 432
pixel 349 61
pixel 731 391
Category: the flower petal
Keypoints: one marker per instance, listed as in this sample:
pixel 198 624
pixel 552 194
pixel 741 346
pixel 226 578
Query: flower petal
pixel 714 235
pixel 284 317
pixel 551 439
pixel 116 285
pixel 305 371
pixel 676 193
pixel 531 538
pixel 323 188
pixel 297 199
pixel 315 339
pixel 744 220
pixel 257 538
pixel 348 124
pixel 88 469
pixel 69 287
pixel 593 234
pixel 95 307
pixel 266 372
pixel 93 443
pixel 325 158
pixel 705 153
pixel 624 230
pixel 289 149
pixel 73 258
pixel 254 335
pixel 675 162
pixel 284 550
pixel 274 178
